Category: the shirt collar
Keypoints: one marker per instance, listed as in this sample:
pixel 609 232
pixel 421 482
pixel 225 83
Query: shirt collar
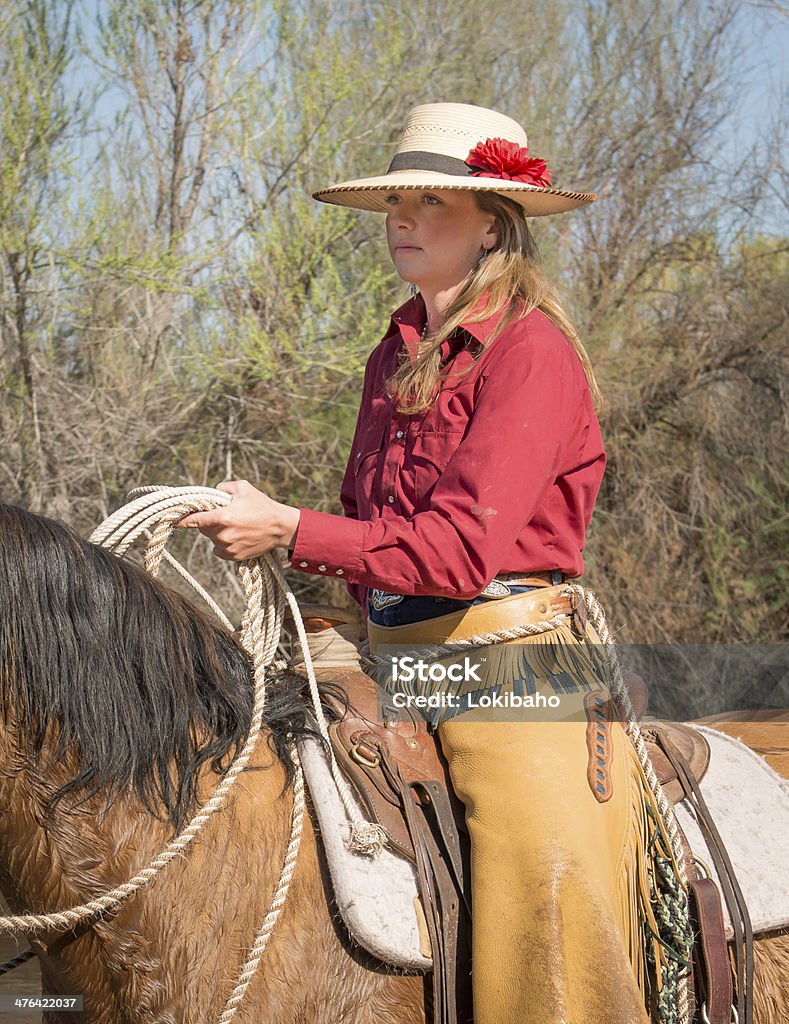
pixel 409 319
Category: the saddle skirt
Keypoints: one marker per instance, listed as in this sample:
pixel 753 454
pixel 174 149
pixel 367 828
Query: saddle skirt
pixel 376 898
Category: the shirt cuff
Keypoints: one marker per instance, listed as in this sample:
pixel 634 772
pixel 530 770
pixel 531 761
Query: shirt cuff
pixel 328 545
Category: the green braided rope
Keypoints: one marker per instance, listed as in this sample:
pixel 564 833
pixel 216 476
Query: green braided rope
pixel 675 933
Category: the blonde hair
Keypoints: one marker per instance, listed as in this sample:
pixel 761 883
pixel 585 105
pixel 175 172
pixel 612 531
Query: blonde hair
pixel 511 280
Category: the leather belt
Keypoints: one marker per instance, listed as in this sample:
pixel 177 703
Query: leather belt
pixel 497 588
pixel 500 586
pixel 531 607
pixel 542 578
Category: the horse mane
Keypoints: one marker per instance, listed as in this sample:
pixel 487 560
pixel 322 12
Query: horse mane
pixel 104 666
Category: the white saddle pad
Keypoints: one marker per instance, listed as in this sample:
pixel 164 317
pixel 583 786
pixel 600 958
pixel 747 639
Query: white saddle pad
pixel 375 897
pixel 749 803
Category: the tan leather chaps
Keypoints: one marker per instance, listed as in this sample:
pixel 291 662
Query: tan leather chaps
pixel 555 869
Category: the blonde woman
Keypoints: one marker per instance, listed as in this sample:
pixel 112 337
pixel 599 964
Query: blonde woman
pixel 470 485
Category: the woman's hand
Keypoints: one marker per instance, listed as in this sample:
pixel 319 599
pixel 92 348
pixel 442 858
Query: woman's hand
pixel 250 525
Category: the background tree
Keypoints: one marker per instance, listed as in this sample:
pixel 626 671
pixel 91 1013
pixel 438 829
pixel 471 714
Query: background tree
pixel 175 308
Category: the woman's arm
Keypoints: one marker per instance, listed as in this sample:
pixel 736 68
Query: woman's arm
pixel 528 430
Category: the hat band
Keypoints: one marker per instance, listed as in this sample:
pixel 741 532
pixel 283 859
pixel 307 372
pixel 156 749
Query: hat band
pixel 417 160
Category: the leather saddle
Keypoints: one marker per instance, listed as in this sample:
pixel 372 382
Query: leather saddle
pixel 691 745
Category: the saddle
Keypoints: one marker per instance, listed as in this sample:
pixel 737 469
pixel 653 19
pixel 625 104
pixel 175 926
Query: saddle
pixel 396 770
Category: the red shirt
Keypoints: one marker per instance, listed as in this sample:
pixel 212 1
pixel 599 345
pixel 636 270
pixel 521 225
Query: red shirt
pixel 500 475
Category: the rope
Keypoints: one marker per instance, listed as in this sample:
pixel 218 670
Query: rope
pixel 673 1003
pixel 266 589
pixel 465 643
pixel 153 513
pixel 17 961
pixel 255 955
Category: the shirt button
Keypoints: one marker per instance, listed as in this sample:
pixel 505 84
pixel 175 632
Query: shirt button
pixel 321 568
pixel 303 564
pixel 340 572
pixel 399 433
pixel 390 499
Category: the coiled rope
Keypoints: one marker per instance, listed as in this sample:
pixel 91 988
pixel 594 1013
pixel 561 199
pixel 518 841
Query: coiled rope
pixel 154 513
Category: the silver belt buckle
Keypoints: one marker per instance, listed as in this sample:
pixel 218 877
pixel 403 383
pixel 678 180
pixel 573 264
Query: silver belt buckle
pixel 496 589
pixel 381 600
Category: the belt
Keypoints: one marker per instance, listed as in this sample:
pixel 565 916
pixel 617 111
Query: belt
pixel 491 616
pixel 497 588
pixel 543 578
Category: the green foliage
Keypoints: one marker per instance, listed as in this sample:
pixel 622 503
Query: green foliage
pixel 176 308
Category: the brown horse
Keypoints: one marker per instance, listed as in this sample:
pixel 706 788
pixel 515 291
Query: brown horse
pixel 121 706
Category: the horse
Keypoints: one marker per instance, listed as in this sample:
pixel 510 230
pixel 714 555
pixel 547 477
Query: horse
pixel 122 706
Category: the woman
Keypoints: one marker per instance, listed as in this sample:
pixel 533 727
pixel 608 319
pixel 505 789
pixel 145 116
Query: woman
pixel 475 466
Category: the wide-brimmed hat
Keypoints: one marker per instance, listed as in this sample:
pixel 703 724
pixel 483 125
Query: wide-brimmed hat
pixel 459 146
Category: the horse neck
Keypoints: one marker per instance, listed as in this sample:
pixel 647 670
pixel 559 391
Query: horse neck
pixel 54 862
pixel 57 857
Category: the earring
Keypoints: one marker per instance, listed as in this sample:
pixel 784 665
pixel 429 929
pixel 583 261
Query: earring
pixel 414 291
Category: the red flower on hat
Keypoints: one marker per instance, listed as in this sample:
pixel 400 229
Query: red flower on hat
pixel 498 158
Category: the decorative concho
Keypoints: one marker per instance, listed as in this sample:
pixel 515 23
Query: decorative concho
pixel 496 589
pixel 381 600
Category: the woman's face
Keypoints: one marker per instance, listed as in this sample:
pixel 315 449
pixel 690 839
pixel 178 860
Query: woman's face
pixel 436 237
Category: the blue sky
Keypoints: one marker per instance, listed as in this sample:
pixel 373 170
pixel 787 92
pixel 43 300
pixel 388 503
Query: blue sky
pixel 765 44
pixel 762 33
pixel 765 39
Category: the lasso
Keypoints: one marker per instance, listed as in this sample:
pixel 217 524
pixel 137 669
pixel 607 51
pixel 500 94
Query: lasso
pixel 154 513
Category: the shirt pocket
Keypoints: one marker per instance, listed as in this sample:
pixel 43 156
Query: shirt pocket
pixel 428 458
pixel 365 464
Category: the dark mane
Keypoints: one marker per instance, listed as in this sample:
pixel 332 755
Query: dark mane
pixel 100 662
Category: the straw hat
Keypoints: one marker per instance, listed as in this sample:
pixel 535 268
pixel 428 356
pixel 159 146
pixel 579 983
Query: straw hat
pixel 458 146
